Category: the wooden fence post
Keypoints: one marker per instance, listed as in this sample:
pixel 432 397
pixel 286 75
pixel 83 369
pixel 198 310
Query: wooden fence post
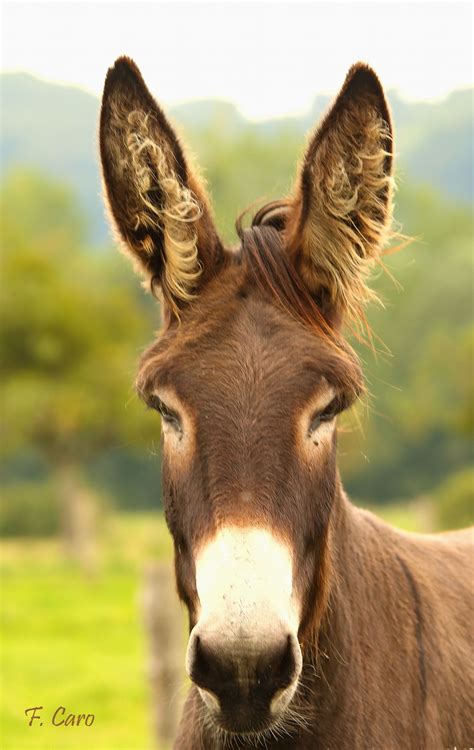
pixel 163 621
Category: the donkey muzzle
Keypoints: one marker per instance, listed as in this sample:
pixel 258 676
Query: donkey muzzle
pixel 245 686
pixel 243 653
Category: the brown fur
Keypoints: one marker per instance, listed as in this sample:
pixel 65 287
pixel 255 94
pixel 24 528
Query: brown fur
pixel 386 616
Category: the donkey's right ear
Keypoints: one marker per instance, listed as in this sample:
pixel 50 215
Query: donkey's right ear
pixel 158 205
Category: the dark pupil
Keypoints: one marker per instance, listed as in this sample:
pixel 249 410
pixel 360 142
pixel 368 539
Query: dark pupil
pixel 324 416
pixel 167 414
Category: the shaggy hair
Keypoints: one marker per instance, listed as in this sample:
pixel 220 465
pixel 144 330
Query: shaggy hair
pixel 157 203
pixel 161 204
pixel 344 197
pixel 175 214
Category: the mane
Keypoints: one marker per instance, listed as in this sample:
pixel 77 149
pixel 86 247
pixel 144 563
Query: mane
pixel 270 268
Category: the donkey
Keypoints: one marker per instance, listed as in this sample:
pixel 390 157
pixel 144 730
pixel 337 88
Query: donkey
pixel 313 624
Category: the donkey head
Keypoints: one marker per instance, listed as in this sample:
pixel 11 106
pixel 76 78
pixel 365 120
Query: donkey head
pixel 249 375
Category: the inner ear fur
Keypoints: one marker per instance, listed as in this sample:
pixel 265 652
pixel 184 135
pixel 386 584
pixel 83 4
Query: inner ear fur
pixel 157 203
pixel 343 201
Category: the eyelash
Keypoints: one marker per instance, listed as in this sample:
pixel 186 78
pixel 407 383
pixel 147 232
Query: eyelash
pixel 167 414
pixel 326 415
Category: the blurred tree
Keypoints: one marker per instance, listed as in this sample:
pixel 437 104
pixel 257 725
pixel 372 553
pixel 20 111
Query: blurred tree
pixel 455 500
pixel 29 509
pixel 251 167
pixel 421 400
pixel 72 323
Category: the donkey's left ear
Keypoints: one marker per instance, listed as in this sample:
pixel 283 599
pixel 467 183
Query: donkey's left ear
pixel 157 203
pixel 343 201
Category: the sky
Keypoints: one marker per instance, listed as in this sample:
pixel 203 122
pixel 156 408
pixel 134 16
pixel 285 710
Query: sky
pixel 270 59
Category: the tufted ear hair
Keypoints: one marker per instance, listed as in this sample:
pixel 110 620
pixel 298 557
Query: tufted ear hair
pixel 343 204
pixel 157 204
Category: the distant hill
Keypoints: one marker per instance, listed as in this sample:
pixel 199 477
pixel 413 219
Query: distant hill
pixel 53 128
pixel 435 142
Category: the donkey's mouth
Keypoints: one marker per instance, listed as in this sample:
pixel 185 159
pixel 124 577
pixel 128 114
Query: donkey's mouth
pixel 244 692
pixel 255 716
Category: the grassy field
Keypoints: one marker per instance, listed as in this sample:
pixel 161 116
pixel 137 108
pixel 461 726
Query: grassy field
pixel 75 641
pixel 78 642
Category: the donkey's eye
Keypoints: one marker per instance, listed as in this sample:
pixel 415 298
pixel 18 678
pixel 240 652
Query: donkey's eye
pixel 167 415
pixel 326 415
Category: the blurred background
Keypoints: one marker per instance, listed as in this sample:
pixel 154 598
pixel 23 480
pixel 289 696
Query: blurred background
pixel 89 619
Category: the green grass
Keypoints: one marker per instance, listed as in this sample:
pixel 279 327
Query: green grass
pixel 73 641
pixel 76 642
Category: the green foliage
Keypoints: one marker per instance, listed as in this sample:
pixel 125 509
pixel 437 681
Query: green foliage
pixel 419 422
pixel 414 515
pixel 29 509
pixel 72 324
pixel 455 500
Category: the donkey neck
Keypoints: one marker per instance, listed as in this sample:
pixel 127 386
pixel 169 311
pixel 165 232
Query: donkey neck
pixel 366 584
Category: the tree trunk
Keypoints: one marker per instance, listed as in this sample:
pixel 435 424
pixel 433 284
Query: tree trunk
pixel 78 515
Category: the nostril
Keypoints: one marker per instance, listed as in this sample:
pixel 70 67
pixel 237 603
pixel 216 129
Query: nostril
pixel 242 673
pixel 206 669
pixel 199 663
pixel 202 660
pixel 287 663
pixel 278 668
